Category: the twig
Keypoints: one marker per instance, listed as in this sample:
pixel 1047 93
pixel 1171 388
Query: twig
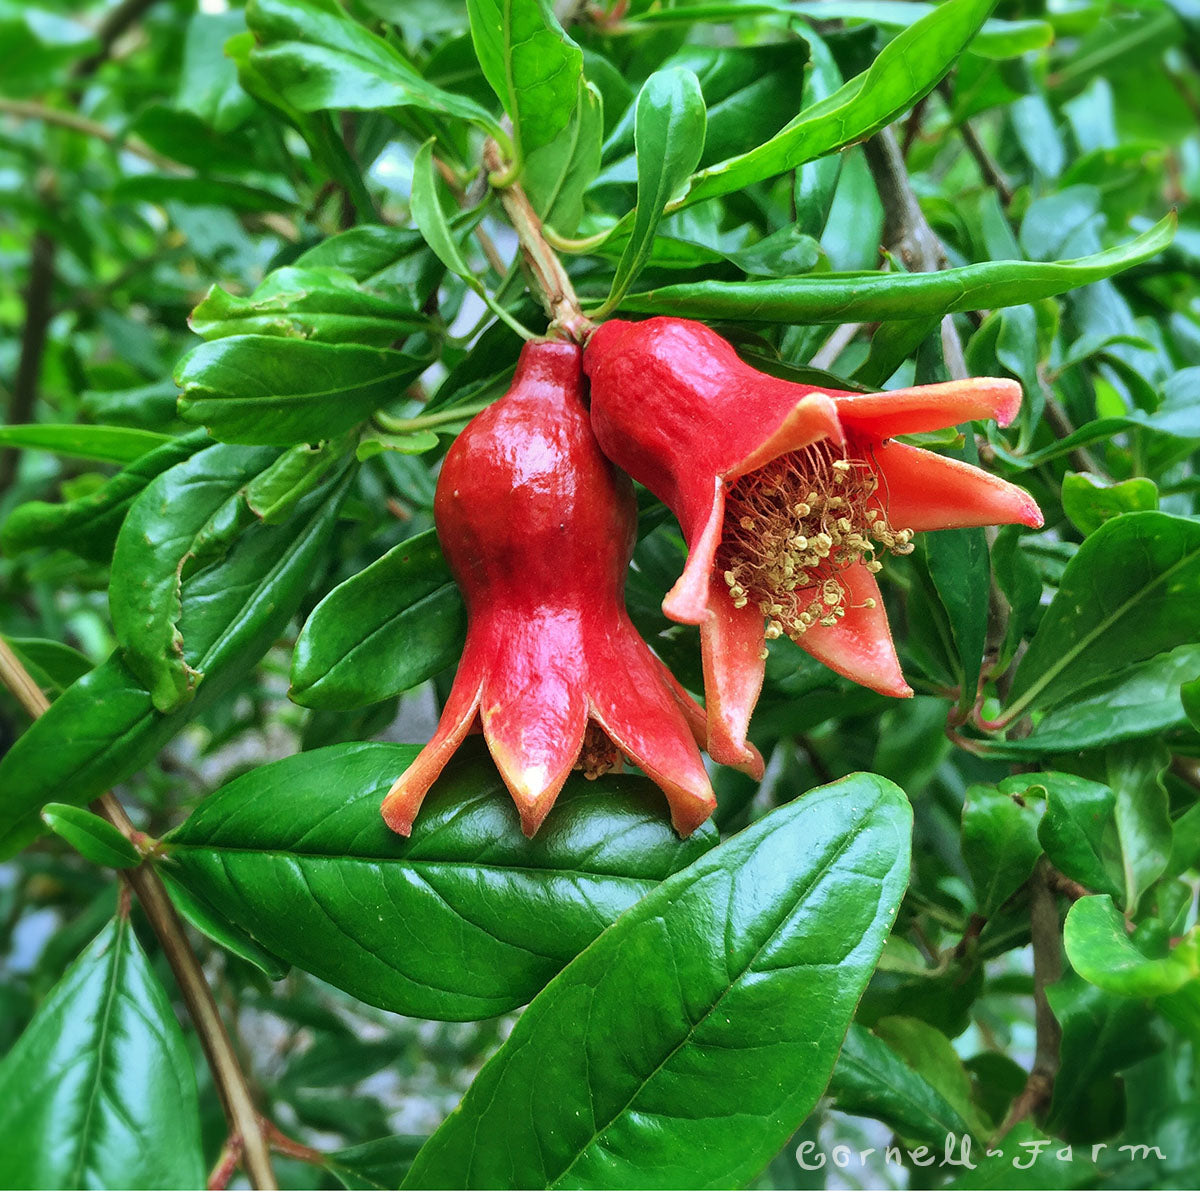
pixel 1080 458
pixel 31 110
pixel 114 24
pixel 550 279
pixel 837 341
pixel 1047 969
pixel 231 1083
pixel 988 167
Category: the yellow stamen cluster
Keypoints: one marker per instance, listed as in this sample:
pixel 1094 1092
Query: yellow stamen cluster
pixel 794 526
pixel 599 753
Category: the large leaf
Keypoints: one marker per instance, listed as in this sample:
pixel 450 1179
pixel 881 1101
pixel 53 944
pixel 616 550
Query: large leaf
pixel 908 68
pixel 999 842
pixel 105 727
pixel 99 1092
pixel 465 919
pixel 745 969
pixel 557 174
pixel 383 631
pixel 670 128
pixel 873 296
pixel 1131 592
pixel 89 524
pixel 273 391
pixel 105 443
pixel 190 513
pixel 533 66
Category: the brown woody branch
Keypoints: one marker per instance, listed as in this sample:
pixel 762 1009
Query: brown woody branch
pixel 232 1088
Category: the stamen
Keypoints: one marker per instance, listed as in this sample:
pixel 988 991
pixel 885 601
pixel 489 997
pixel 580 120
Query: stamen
pixel 599 753
pixel 792 530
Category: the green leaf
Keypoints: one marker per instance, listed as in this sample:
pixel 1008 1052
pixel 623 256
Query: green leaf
pixel 272 391
pixel 272 495
pixel 378 1165
pixel 1130 592
pixel 105 727
pixel 908 68
pixel 961 572
pixel 88 526
pixel 465 919
pixel 1088 501
pixel 533 66
pixel 1102 952
pixel 835 298
pixel 670 128
pixel 302 302
pixel 557 174
pixel 999 843
pixel 417 442
pixel 430 217
pixel 53 666
pixel 188 515
pixel 383 631
pixel 208 85
pixel 1026 1158
pixel 1143 813
pixel 91 836
pixel 1077 831
pixel 104 443
pixel 746 967
pixel 99 1092
pixel 872 1080
pixel 317 56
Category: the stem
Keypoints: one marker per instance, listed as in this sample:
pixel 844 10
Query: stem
pixel 31 110
pixel 232 1087
pixel 426 420
pixel 550 279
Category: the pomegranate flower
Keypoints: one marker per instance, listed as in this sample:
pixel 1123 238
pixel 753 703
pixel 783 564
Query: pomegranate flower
pixel 787 496
pixel 538 527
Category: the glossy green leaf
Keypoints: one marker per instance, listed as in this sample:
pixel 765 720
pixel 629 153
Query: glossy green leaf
pixel 908 68
pixel 873 296
pixel 1129 593
pixel 670 127
pixel 870 1079
pixel 304 302
pixel 1078 831
pixel 275 391
pixel 999 843
pixel 557 174
pixel 88 526
pixel 92 836
pixel 104 443
pixel 375 1165
pixel 382 631
pixel 417 442
pixel 1102 952
pixel 1026 1158
pixel 747 967
pixel 317 56
pixel 465 919
pixel 430 217
pixel 1089 501
pixel 961 572
pixel 99 1092
pixel 1189 694
pixel 1143 813
pixel 272 495
pixel 105 727
pixel 533 66
pixel 188 515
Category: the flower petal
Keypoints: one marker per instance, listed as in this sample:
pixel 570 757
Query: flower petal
pixel 925 491
pixel 687 601
pixel 860 645
pixel 932 406
pixel 732 644
pixel 809 420
pixel 401 804
pixel 534 711
pixel 633 704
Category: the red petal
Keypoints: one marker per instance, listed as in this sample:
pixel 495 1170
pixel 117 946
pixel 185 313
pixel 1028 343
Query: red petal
pixel 732 644
pixel 404 799
pixel 687 601
pixel 860 645
pixel 811 419
pixel 631 701
pixel 925 491
pixel 933 406
pixel 534 711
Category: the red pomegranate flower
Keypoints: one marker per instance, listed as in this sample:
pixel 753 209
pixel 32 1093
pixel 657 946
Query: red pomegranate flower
pixel 538 528
pixel 786 495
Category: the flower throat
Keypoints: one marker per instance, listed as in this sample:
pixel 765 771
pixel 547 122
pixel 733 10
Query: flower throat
pixel 794 526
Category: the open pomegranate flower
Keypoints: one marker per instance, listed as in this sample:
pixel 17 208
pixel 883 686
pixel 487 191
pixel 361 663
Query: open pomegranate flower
pixel 538 527
pixel 787 495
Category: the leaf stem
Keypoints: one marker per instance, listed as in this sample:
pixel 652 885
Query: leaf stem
pixel 551 281
pixel 232 1087
pixel 426 420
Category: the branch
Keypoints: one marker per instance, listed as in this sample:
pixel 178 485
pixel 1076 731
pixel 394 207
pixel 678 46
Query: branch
pixel 240 1113
pixel 115 23
pixel 551 281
